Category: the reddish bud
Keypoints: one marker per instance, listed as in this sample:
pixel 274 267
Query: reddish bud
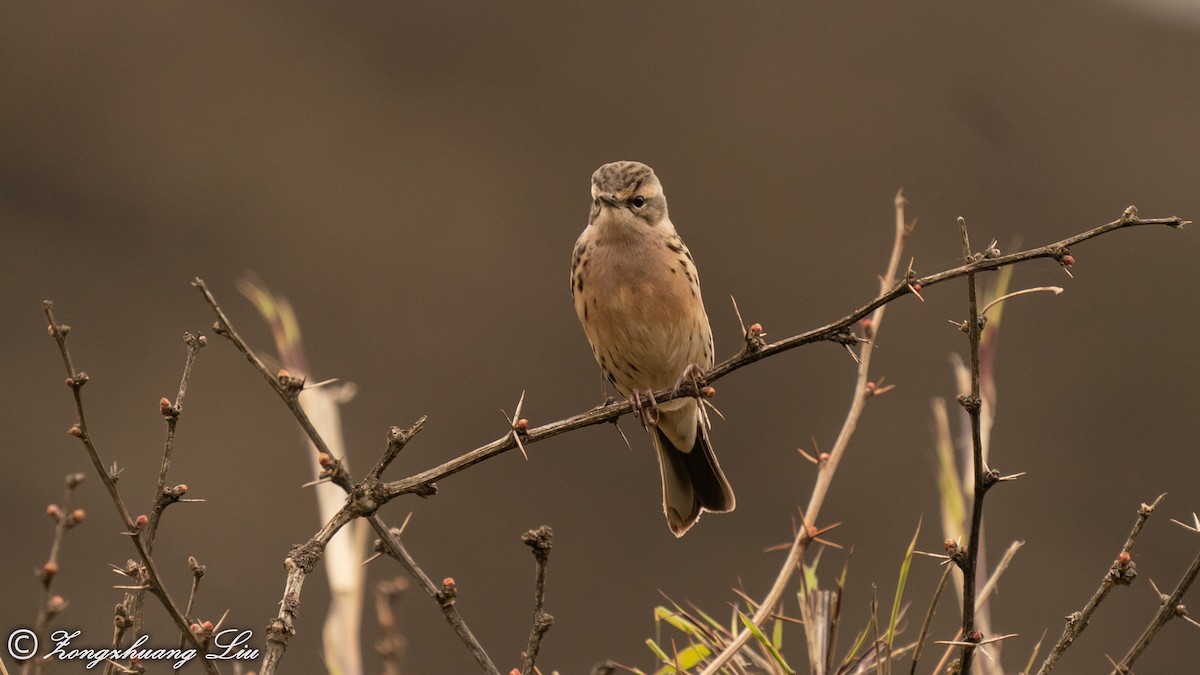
pixel 195 628
pixel 78 515
pixel 756 329
pixel 56 604
pixel 70 382
pixel 916 288
pixel 823 457
pixel 870 387
pixel 812 530
pixel 867 323
pixel 49 569
pixel 75 431
pixel 1124 558
pixel 53 512
pixel 324 460
pixel 708 392
pixel 182 489
pixel 141 520
pixel 50 329
pixel 207 625
pixel 522 424
pixel 283 374
pixel 950 545
pixel 163 404
pixel 514 671
pixel 448 582
pixel 976 636
pixel 1068 260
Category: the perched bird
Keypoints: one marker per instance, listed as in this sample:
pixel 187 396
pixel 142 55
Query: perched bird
pixel 638 296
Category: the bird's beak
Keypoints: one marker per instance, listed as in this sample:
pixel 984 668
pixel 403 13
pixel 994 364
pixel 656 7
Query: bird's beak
pixel 609 199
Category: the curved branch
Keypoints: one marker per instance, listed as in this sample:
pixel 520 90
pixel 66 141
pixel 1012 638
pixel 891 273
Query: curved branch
pixel 836 331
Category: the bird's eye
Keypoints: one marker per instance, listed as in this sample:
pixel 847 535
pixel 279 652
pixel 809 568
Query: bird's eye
pixel 639 201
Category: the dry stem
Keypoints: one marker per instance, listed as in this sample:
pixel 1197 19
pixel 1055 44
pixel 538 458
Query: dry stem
pixel 540 540
pixel 826 469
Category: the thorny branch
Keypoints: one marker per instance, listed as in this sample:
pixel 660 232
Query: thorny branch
pixel 1172 606
pixel 362 501
pixel 165 495
pixel 838 331
pixel 1122 572
pixel 984 478
pixel 446 596
pixel 152 579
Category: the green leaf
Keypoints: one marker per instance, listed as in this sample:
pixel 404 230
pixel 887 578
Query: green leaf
pixel 674 618
pixel 762 639
pixel 904 568
pixel 686 659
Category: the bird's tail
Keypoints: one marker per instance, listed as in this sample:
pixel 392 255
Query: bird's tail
pixel 692 480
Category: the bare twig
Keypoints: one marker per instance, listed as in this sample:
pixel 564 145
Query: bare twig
pixel 1057 290
pixel 1122 572
pixel 171 412
pixel 984 478
pixel 937 594
pixel 165 495
pixel 301 560
pixel 825 470
pixel 197 571
pixel 540 540
pixel 76 380
pixel 287 387
pixel 1172 606
pixel 446 596
pixel 363 500
pixel 51 605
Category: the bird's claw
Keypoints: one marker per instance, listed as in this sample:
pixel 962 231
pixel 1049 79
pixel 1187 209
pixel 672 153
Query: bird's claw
pixel 647 416
pixel 694 373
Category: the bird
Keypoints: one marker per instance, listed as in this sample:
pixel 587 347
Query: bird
pixel 637 293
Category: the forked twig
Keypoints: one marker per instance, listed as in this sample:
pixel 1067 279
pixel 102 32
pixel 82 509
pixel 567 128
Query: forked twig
pixel 76 380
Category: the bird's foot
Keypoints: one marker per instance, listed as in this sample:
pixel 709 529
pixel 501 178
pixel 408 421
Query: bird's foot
pixel 648 416
pixel 693 373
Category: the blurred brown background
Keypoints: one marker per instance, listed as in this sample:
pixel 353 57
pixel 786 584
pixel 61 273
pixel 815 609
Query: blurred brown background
pixel 413 177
